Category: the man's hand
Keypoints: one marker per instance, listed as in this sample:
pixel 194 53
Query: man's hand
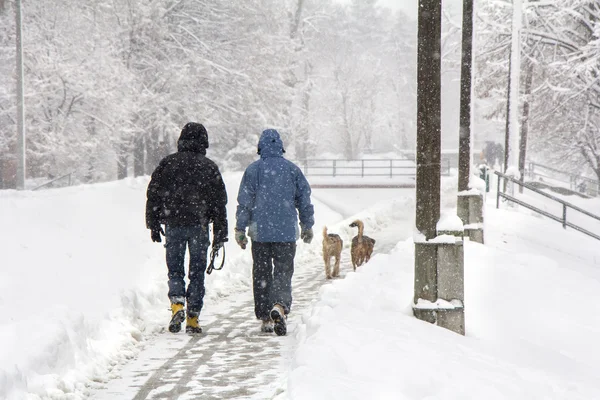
pixel 307 235
pixel 241 239
pixel 155 234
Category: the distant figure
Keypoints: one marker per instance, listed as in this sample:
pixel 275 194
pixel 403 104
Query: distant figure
pixel 186 193
pixel 272 193
pixel 493 153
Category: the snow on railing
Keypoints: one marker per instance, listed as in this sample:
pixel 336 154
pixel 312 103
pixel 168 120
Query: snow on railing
pixel 565 205
pixel 362 167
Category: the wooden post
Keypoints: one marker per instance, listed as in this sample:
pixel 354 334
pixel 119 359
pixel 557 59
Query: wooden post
pixel 464 139
pixel 428 153
pixel 428 117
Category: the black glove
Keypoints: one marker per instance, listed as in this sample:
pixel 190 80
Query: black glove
pixel 307 235
pixel 218 243
pixel 156 232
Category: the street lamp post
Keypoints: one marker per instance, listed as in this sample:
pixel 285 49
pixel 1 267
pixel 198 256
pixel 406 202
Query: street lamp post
pixel 21 167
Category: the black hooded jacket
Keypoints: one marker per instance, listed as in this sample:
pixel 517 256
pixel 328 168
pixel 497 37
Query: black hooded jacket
pixel 187 189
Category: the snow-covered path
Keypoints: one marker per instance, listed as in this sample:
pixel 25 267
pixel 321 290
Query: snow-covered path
pixel 232 359
pixel 84 254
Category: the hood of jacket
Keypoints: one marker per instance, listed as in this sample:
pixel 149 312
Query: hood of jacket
pixel 193 138
pixel 270 144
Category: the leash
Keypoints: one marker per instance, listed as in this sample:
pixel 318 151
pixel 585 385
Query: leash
pixel 214 253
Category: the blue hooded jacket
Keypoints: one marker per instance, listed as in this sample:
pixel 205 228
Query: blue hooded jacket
pixel 271 191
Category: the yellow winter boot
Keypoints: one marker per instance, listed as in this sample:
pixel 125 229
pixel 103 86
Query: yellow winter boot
pixel 177 317
pixel 191 325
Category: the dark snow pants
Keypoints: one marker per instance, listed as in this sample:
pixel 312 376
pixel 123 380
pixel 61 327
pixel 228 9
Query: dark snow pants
pixel 272 270
pixel 178 239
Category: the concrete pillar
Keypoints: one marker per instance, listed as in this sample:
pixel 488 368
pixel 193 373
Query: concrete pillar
pixel 425 280
pixel 439 283
pixel 475 233
pixel 462 207
pixel 470 211
pixel 451 285
pixel 476 209
pixel 426 273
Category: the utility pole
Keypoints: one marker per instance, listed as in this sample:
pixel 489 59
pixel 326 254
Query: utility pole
pixel 428 117
pixel 21 166
pixel 464 139
pixel 439 266
pixel 469 205
pixel 428 152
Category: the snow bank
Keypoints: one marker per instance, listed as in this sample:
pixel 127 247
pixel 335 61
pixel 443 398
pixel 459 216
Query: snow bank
pixel 529 332
pixel 83 288
pixel 70 257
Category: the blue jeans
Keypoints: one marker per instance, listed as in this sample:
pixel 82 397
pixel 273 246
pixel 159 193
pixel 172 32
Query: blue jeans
pixel 194 238
pixel 272 271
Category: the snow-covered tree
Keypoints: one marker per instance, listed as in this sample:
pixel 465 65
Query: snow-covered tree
pixel 110 83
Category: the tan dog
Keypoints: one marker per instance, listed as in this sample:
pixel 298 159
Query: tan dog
pixel 332 247
pixel 362 246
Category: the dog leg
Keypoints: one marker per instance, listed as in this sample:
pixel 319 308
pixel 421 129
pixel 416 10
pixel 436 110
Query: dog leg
pixel 327 267
pixel 361 260
pixel 336 268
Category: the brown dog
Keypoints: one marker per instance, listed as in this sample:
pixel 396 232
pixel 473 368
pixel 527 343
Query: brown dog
pixel 362 246
pixel 332 247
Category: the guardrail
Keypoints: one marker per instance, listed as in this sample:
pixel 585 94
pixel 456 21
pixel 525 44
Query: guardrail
pixel 362 168
pixel 537 170
pixel 565 205
pixel 66 177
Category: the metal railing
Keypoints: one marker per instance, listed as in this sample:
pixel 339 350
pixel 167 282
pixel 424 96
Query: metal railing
pixel 565 205
pixel 67 177
pixel 537 170
pixel 362 168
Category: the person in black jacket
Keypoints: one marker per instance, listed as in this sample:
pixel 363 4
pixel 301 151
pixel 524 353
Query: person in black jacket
pixel 186 193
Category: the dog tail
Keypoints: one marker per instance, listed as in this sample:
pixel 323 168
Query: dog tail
pixel 325 233
pixel 361 228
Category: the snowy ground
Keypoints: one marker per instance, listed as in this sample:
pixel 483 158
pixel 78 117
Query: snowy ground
pixel 85 291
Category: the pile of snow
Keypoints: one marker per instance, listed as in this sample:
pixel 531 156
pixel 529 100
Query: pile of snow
pixel 71 313
pixel 531 300
pixel 83 288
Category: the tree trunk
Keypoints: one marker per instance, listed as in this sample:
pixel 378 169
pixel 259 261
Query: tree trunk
pixel 525 123
pixel 304 148
pixel 348 143
pixel 139 144
pixel 157 147
pixel 428 117
pixel 299 124
pixel 512 104
pixel 464 140
pixel 122 162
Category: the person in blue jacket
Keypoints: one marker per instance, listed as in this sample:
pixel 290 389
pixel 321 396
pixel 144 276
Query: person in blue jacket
pixel 272 194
